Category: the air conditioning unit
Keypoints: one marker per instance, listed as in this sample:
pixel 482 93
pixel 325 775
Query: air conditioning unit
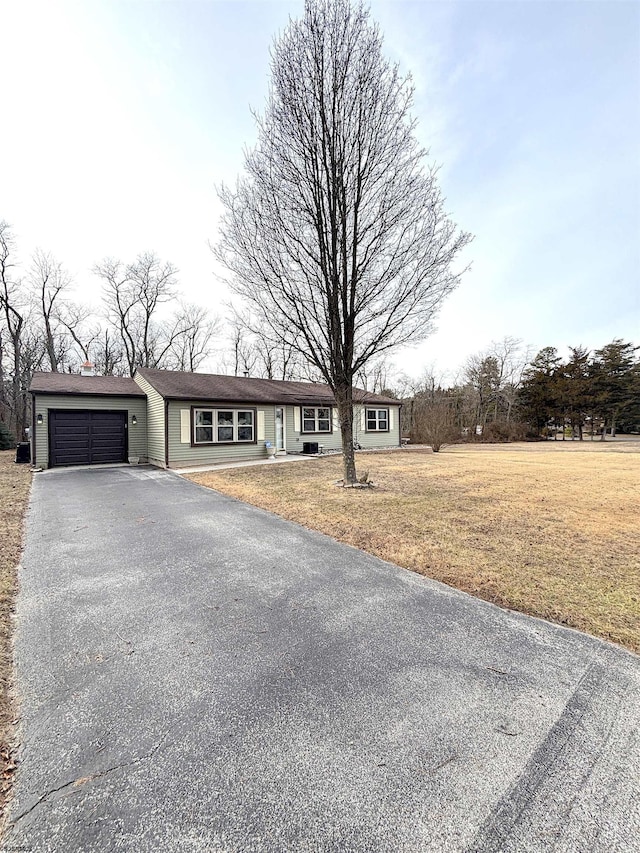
pixel 309 447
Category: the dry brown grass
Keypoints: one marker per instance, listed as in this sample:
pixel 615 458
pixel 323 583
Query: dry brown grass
pixel 549 529
pixel 15 482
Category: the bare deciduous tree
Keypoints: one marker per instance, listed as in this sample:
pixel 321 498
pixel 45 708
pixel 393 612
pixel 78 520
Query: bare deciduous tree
pixel 511 359
pixel 107 353
pixel 193 342
pixel 132 295
pixel 19 355
pixel 83 330
pixel 49 280
pixel 492 381
pixel 338 237
pixel 377 376
pixel 256 351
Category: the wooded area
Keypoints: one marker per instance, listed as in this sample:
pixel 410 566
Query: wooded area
pixel 42 327
pixel 504 393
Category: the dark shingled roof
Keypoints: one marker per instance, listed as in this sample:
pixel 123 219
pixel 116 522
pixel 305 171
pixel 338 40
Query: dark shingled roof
pixel 74 384
pixel 178 385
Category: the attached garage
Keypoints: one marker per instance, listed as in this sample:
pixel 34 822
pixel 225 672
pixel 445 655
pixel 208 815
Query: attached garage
pixel 86 437
pixel 87 420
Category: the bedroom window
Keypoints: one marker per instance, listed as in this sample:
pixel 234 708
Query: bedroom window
pixel 223 426
pixel 377 420
pixel 316 419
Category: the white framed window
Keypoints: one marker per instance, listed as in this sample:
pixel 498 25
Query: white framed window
pixel 377 420
pixel 224 426
pixel 316 419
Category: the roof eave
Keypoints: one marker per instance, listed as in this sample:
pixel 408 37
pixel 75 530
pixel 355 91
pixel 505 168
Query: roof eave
pixel 132 396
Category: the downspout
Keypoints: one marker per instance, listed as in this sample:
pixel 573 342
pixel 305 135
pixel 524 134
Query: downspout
pixel 166 433
pixel 400 425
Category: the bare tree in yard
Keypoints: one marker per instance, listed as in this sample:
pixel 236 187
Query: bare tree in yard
pixel 431 411
pixel 435 420
pixel 337 236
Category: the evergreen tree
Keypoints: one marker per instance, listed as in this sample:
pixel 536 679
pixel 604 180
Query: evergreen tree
pixel 614 376
pixel 541 388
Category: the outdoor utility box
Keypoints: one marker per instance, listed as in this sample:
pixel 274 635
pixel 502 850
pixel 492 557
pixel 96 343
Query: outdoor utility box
pixel 309 446
pixel 23 451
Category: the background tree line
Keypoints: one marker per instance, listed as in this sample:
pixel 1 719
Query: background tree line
pixel 503 394
pixel 500 394
pixel 142 322
pixel 597 391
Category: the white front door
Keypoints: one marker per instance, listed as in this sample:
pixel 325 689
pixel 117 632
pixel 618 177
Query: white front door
pixel 280 428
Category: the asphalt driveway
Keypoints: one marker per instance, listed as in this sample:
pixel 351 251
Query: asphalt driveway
pixel 198 675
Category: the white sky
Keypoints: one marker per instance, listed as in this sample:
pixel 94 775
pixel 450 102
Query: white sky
pixel 119 118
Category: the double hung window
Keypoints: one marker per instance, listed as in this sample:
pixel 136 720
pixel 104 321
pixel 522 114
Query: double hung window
pixel 316 419
pixel 377 420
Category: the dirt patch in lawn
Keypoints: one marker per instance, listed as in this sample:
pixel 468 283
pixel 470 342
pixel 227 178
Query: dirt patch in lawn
pixel 549 530
pixel 15 482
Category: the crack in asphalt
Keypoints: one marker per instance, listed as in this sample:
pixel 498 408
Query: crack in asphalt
pixel 84 779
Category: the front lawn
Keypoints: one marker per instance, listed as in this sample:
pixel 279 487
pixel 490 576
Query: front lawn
pixel 548 529
pixel 15 481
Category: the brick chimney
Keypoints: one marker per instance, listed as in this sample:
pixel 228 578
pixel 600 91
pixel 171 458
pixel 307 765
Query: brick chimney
pixel 88 369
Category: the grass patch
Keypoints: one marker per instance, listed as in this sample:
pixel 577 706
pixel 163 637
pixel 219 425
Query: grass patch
pixel 549 529
pixel 15 482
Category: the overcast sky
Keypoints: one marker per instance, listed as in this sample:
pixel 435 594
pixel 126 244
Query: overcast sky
pixel 119 119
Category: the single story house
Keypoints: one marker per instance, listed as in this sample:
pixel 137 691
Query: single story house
pixel 176 419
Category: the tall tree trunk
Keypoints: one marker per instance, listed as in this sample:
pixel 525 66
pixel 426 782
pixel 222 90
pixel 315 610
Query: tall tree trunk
pixel 51 348
pixel 344 399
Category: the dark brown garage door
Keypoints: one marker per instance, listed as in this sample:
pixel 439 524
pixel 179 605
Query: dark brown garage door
pixel 87 438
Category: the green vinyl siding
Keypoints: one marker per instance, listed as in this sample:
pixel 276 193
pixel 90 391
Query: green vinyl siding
pixel 296 439
pixel 137 435
pixel 292 438
pixel 371 440
pixel 182 454
pixel 333 441
pixel 155 422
